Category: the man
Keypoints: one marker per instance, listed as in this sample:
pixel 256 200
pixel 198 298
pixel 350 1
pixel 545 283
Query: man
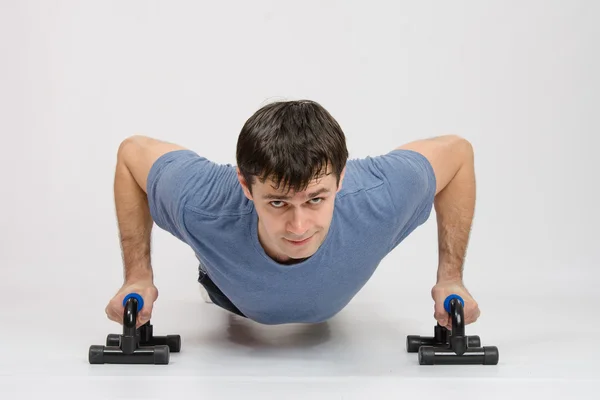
pixel 296 229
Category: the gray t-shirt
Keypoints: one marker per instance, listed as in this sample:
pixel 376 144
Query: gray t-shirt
pixel 382 200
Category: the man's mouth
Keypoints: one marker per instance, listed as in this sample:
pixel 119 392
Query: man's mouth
pixel 299 242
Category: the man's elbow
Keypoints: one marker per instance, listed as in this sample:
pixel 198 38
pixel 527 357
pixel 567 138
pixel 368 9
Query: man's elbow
pixel 460 147
pixel 467 149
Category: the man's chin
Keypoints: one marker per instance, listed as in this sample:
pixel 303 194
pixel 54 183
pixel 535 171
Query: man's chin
pixel 299 254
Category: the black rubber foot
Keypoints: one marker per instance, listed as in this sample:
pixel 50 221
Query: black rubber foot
pixel 96 354
pixel 161 355
pixel 174 343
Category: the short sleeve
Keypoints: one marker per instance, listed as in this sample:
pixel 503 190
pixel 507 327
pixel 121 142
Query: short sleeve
pixel 171 180
pixel 411 182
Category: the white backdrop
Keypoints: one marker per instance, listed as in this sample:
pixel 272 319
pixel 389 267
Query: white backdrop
pixel 519 79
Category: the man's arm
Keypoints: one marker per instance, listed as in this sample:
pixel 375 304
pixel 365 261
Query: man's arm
pixel 135 157
pixel 452 159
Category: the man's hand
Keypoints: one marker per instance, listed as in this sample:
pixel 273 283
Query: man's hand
pixel 145 288
pixel 445 288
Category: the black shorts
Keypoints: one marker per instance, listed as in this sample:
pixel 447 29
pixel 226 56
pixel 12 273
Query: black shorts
pixel 216 295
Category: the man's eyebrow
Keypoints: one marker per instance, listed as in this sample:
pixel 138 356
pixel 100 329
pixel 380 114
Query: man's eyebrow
pixel 270 196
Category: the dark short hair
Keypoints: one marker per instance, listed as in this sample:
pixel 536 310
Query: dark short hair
pixel 292 143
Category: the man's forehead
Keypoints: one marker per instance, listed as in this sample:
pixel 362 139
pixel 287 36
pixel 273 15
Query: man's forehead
pixel 272 185
pixel 289 194
pixel 318 185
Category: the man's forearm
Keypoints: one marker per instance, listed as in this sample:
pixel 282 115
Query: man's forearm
pixel 134 221
pixel 455 206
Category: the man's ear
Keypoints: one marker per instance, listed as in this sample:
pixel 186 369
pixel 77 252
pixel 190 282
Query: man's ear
pixel 244 184
pixel 341 179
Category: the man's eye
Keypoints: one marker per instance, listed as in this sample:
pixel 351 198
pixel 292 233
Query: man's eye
pixel 316 198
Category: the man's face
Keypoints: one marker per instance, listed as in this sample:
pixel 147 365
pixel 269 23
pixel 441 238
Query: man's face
pixel 286 218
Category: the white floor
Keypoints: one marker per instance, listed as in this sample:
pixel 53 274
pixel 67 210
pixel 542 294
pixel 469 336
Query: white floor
pixel 78 77
pixel 548 347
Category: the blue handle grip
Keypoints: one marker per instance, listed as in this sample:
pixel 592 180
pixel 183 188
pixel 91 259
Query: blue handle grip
pixel 139 298
pixel 449 298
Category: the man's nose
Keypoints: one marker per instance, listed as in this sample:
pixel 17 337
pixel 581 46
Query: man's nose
pixel 298 224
